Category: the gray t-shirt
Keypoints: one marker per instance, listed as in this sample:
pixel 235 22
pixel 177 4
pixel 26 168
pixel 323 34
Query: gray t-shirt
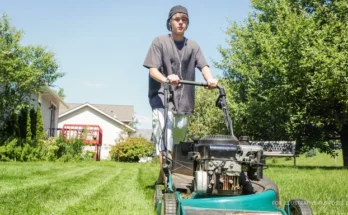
pixel 174 57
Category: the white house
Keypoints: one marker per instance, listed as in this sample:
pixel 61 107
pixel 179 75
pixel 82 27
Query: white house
pixel 112 119
pixel 50 104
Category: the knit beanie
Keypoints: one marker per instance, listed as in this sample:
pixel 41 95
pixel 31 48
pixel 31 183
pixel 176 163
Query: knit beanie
pixel 174 10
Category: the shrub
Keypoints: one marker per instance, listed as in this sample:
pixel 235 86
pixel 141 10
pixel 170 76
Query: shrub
pixel 28 134
pixel 88 155
pixel 311 153
pixel 52 149
pixel 70 150
pixel 11 150
pixel 39 128
pixel 132 149
pixel 49 149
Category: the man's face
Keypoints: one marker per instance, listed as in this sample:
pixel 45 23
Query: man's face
pixel 179 23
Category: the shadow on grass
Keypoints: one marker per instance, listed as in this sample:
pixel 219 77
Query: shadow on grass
pixel 308 167
pixel 150 187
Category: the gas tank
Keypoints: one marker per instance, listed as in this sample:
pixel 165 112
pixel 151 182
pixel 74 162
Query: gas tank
pixel 217 146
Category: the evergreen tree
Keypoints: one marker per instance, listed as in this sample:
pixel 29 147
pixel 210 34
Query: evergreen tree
pixel 28 133
pixel 39 124
pixel 33 122
pixel 15 124
pixel 22 122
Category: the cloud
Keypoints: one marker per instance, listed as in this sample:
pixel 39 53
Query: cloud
pixel 93 84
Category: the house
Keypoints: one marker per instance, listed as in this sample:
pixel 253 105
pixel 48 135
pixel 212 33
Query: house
pixel 114 120
pixel 50 104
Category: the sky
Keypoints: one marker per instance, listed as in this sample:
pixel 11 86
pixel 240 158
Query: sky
pixel 101 45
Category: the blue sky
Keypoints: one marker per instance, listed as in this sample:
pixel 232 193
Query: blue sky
pixel 101 45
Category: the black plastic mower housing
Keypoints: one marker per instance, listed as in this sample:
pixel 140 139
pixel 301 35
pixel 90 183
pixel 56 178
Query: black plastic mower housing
pixel 217 146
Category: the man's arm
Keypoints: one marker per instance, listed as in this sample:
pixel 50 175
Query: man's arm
pixel 203 66
pixel 208 76
pixel 207 73
pixel 158 76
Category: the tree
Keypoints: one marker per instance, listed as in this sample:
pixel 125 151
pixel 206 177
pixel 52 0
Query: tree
pixel 22 118
pixel 28 134
pixel 288 65
pixel 40 133
pixel 61 93
pixel 11 126
pixel 33 122
pixel 23 69
pixel 207 118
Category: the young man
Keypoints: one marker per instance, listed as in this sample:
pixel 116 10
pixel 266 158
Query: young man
pixel 173 57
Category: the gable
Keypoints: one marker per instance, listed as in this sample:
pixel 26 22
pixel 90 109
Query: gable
pixel 83 112
pixel 123 113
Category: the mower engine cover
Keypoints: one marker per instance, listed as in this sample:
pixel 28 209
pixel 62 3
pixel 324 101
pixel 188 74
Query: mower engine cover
pixel 216 168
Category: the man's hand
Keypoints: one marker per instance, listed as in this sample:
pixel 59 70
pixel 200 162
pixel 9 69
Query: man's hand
pixel 173 79
pixel 211 83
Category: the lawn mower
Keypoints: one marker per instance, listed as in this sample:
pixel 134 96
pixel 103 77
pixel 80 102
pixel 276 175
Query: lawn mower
pixel 218 174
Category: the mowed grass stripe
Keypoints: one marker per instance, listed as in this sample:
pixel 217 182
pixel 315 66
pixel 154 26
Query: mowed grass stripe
pixel 325 190
pixel 31 169
pixel 129 191
pixel 31 200
pixel 147 176
pixel 21 175
pixel 41 180
pixel 122 195
pixel 59 206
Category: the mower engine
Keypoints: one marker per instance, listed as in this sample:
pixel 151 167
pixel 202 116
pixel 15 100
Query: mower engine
pixel 222 165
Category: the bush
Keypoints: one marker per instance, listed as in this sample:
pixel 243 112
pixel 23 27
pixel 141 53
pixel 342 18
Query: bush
pixel 132 149
pixel 14 149
pixel 88 155
pixel 311 153
pixel 52 149
pixel 69 150
pixel 49 149
pixel 11 150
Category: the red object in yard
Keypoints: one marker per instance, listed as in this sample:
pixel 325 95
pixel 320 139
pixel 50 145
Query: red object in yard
pixel 90 134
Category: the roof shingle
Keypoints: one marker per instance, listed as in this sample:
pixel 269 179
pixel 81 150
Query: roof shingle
pixel 123 113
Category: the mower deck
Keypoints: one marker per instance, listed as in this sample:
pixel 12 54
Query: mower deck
pixel 182 182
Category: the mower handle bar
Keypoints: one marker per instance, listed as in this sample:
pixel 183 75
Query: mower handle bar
pixel 196 83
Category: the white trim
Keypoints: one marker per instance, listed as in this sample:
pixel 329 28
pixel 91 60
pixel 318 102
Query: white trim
pixel 99 111
pixel 54 94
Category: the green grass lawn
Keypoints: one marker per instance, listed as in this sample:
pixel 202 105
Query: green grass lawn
pixel 76 188
pixel 123 188
pixel 321 180
pixel 320 160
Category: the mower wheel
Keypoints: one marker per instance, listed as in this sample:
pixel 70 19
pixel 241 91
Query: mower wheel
pixel 158 195
pixel 169 204
pixel 299 207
